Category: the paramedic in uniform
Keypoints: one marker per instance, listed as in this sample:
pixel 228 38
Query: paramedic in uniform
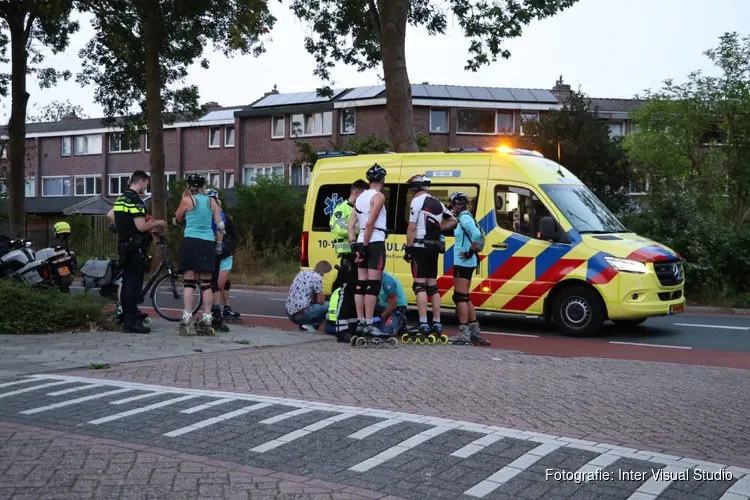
pixel 346 279
pixel 129 212
pixel 428 219
pixel 369 248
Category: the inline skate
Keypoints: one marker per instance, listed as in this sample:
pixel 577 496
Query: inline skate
pixel 231 316
pixel 425 335
pixel 184 329
pixel 369 336
pixel 218 323
pixel 139 316
pixel 469 335
pixel 203 327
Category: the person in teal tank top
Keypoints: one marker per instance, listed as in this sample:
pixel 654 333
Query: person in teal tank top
pixel 200 247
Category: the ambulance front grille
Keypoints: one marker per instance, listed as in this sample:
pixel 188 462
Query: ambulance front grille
pixel 670 273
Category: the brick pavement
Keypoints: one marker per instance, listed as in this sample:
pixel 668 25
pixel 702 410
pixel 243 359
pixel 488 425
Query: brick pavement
pixel 683 410
pixel 43 464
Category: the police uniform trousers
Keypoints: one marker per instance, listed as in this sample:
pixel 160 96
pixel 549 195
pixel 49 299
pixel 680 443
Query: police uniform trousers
pixel 133 262
pixel 347 279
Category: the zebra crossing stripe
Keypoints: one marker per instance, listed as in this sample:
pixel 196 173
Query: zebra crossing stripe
pixel 74 389
pixel 16 382
pixel 511 470
pixel 213 420
pixel 74 401
pixel 655 486
pixel 29 389
pixel 400 448
pixel 738 491
pixel 136 411
pixel 598 463
pixel 284 416
pixel 372 429
pixel 476 446
pixel 287 438
pixel 138 398
pixel 206 406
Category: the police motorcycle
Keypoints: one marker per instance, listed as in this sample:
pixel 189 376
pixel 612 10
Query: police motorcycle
pixel 19 262
pixel 61 260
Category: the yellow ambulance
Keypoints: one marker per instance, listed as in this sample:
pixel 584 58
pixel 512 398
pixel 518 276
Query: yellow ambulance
pixel 552 249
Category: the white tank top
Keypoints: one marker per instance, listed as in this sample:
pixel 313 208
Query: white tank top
pixel 362 207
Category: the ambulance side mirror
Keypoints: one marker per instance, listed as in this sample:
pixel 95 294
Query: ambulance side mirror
pixel 550 230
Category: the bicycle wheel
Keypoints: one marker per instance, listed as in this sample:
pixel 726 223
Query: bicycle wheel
pixel 167 297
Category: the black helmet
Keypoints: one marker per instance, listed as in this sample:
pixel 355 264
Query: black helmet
pixel 418 182
pixel 196 180
pixel 376 173
pixel 459 199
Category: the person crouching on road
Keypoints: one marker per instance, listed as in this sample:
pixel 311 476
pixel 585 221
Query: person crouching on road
pixel 306 305
pixel 469 242
pixel 199 247
pixel 392 305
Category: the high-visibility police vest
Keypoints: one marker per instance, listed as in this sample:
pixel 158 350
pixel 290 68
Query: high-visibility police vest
pixel 333 306
pixel 340 228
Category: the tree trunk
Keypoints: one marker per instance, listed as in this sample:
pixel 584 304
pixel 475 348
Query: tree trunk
pixel 17 125
pixel 154 110
pixel 399 114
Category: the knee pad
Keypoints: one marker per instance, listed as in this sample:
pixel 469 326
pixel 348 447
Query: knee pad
pixel 419 288
pixel 190 284
pixel 228 285
pixel 360 288
pixel 432 290
pixel 460 297
pixel 373 287
pixel 205 285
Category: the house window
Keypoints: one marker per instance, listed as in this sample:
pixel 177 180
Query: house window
pixel 299 174
pixel 505 123
pixel 56 186
pixel 229 137
pixel 213 179
pixel 118 184
pixel 214 137
pixel 476 121
pixel 146 143
pixel 519 210
pixel 525 117
pixel 311 124
pixel 228 180
pixel 169 178
pixel 65 146
pixel 88 185
pixel 120 143
pixel 88 144
pixel 439 121
pixel 251 173
pixel 278 123
pixel 615 129
pixel 30 187
pixel 348 121
pixel 639 185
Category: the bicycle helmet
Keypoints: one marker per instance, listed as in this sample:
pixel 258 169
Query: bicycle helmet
pixel 459 199
pixel 60 228
pixel 212 193
pixel 418 182
pixel 196 180
pixel 376 173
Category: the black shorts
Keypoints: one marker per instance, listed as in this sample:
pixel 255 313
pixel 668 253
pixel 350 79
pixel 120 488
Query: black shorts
pixel 424 262
pixel 463 272
pixel 198 255
pixel 375 257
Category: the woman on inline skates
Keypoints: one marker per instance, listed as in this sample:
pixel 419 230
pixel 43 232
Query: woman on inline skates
pixel 199 250
pixel 469 242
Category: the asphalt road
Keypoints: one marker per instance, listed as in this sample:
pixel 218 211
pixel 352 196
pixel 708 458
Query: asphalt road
pixel 685 330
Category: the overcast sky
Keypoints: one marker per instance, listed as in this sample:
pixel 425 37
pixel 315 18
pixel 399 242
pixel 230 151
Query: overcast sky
pixel 611 48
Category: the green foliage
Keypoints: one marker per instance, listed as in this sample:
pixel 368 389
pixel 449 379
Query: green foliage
pixel 270 210
pixel 352 32
pixel 370 144
pixel 55 111
pixel 46 310
pixel 113 60
pixel 586 148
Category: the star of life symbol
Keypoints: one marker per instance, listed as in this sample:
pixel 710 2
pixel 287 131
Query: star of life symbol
pixel 331 203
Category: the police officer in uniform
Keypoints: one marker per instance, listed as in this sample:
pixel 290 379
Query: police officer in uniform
pixel 346 279
pixel 132 227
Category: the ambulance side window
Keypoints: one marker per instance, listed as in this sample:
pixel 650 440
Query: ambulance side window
pixel 440 191
pixel 330 195
pixel 519 210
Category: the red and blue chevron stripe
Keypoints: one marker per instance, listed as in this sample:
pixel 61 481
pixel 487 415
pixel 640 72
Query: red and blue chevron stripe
pixel 652 253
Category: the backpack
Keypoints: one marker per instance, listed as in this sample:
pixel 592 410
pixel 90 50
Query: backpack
pixel 481 232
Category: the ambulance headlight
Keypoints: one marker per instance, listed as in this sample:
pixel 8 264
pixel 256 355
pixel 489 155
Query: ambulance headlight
pixel 627 265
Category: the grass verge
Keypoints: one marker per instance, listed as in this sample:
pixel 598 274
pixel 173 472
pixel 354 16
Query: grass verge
pixel 272 267
pixel 46 310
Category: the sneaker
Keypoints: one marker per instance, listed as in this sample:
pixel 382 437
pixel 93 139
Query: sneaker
pixel 308 328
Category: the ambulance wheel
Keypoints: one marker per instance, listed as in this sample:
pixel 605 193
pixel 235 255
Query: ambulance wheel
pixel 578 311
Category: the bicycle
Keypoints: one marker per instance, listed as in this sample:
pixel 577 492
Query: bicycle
pixel 159 285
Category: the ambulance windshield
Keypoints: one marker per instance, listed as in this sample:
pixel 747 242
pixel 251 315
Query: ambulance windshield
pixel 585 212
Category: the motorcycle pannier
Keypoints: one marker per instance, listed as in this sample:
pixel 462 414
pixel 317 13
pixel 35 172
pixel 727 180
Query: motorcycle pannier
pixel 97 273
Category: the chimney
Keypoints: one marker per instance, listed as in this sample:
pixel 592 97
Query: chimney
pixel 425 83
pixel 560 86
pixel 70 116
pixel 213 105
pixel 274 91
